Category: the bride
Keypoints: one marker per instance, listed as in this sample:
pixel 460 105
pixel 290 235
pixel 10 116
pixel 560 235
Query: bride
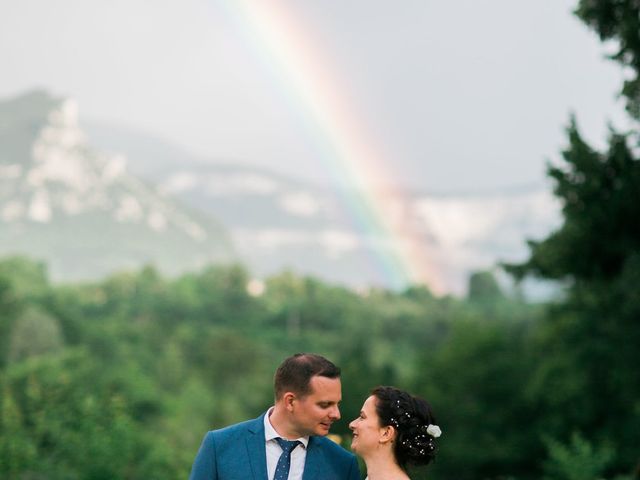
pixel 394 431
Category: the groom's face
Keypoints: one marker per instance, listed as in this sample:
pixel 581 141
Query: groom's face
pixel 314 413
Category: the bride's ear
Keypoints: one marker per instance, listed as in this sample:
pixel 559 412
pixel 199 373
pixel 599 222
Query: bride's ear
pixel 388 434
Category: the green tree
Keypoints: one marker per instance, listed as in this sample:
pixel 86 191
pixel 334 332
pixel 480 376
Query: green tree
pixel 600 195
pixel 22 281
pixel 476 382
pixel 28 278
pixel 8 308
pixel 34 333
pixel 579 460
pixel 618 20
pixel 589 344
pixel 483 287
pixel 73 420
pixel 18 452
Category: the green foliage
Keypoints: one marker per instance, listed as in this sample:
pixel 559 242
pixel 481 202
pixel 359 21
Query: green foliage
pixel 34 333
pixel 600 195
pixel 28 278
pixel 588 342
pixel 21 281
pixel 130 371
pixel 70 422
pixel 484 288
pixel 580 460
pixel 17 450
pixel 618 21
pixel 476 381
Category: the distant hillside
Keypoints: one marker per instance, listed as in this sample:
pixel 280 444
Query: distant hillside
pixel 66 202
pixel 278 222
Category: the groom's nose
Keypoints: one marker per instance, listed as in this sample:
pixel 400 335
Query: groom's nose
pixel 335 412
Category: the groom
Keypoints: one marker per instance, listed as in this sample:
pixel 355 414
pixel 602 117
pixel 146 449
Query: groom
pixel 287 442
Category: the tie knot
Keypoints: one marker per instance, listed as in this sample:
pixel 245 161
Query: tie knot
pixel 287 445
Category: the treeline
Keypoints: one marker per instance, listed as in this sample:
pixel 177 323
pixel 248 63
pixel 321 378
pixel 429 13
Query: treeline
pixel 119 379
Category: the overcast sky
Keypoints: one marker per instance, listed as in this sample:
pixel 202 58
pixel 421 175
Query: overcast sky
pixel 459 94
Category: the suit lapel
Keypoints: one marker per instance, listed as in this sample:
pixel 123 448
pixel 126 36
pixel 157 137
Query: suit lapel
pixel 314 461
pixel 256 451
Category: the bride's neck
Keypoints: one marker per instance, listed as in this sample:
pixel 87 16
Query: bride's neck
pixel 384 468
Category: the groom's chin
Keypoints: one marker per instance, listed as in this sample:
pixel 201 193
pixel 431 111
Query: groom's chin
pixel 322 429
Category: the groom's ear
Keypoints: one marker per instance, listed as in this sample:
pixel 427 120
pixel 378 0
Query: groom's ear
pixel 288 399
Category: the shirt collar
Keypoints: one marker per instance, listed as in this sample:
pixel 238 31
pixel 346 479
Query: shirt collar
pixel 271 434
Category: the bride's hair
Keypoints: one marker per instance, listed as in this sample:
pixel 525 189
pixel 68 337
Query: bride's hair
pixel 411 417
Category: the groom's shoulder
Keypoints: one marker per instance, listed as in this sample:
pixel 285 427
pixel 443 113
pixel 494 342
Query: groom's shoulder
pixel 237 429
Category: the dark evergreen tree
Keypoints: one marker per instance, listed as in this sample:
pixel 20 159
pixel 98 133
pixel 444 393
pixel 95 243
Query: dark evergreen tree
pixel 618 20
pixel 587 381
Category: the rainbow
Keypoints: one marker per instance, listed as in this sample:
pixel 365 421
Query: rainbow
pixel 349 154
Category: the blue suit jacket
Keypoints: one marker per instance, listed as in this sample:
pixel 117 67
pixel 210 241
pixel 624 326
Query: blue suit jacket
pixel 238 453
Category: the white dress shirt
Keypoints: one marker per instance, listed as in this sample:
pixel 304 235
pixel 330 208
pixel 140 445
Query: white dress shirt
pixel 298 455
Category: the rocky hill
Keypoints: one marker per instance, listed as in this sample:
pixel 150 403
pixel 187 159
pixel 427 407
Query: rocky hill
pixel 66 202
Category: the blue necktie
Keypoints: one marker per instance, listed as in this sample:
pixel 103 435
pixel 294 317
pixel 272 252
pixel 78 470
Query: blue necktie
pixel 284 462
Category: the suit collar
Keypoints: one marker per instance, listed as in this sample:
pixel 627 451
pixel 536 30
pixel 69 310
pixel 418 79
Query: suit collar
pixel 256 425
pixel 256 453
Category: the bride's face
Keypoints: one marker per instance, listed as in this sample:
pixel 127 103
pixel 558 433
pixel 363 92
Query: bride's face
pixel 367 432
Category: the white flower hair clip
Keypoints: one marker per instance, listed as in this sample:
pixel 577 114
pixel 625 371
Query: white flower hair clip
pixel 434 431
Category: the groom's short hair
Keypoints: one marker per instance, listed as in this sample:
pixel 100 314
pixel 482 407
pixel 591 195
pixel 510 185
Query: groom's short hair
pixel 295 372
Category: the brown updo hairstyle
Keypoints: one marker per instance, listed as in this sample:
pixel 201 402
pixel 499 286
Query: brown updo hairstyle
pixel 410 416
